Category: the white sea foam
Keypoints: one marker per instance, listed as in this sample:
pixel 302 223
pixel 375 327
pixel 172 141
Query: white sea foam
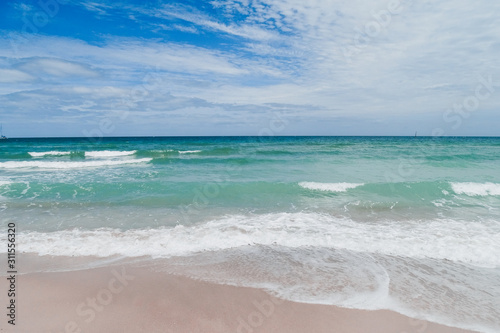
pixel 316 258
pixel 109 153
pixel 474 243
pixel 3 184
pixel 68 165
pixel 189 151
pixel 476 189
pixel 49 153
pixel 329 187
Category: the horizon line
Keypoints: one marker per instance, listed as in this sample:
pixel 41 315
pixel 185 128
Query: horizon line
pixel 256 136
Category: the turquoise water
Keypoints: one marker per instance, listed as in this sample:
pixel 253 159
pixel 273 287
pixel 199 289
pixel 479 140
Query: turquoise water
pixel 364 222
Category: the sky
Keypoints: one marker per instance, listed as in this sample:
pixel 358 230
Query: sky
pixel 249 67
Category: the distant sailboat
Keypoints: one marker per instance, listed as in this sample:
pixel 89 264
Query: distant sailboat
pixel 2 137
pixel 415 133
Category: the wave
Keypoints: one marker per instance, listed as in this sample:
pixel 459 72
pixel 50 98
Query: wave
pixel 189 151
pixel 109 153
pixel 68 165
pixel 329 187
pixel 49 153
pixel 476 243
pixel 476 189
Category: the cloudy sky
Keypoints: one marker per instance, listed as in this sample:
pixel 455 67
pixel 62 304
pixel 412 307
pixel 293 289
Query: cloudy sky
pixel 249 67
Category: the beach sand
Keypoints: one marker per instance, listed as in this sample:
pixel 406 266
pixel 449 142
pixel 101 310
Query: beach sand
pixel 129 298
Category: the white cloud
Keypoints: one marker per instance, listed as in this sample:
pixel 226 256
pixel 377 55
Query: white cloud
pixel 57 67
pixel 124 53
pixel 183 28
pixel 23 7
pixel 99 8
pixel 202 20
pixel 14 76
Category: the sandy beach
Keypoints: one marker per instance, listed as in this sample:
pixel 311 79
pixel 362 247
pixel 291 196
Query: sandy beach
pixel 129 298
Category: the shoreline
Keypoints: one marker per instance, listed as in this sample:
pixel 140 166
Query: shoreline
pixel 131 298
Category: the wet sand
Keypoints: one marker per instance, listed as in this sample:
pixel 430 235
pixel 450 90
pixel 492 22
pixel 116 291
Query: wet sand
pixel 127 298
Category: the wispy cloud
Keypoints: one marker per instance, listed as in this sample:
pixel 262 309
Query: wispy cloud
pixel 22 7
pixel 14 76
pixel 96 7
pixel 192 15
pixel 183 28
pixel 56 67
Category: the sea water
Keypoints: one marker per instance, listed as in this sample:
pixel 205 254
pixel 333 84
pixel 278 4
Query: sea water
pixel 401 223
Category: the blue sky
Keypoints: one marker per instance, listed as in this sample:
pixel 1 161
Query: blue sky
pixel 242 67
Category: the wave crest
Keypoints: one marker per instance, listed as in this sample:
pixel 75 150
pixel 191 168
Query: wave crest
pixel 68 165
pixel 109 153
pixel 329 187
pixel 49 153
pixel 476 189
pixel 477 244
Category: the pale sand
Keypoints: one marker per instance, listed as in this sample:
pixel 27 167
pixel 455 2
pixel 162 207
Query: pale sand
pixel 145 301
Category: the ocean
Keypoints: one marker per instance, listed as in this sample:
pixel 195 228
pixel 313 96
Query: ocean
pixel 410 224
